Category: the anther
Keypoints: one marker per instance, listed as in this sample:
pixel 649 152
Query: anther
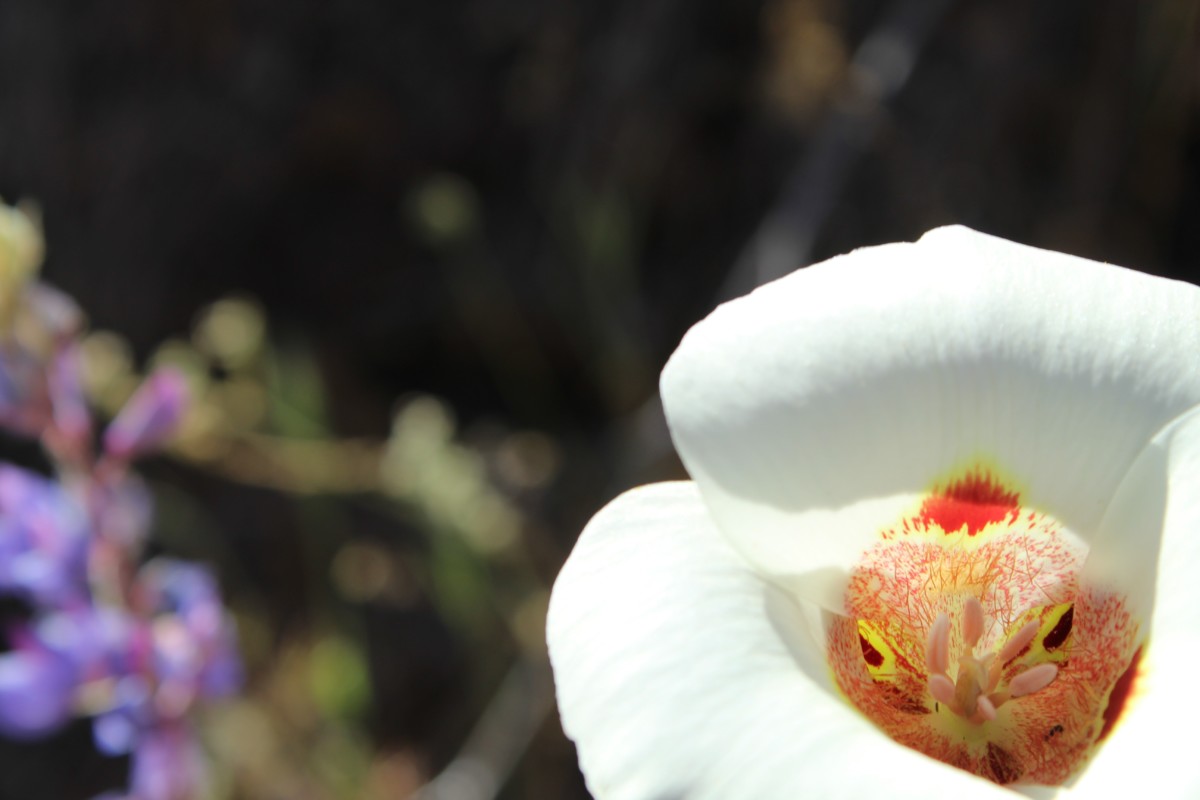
pixel 1012 649
pixel 972 623
pixel 1032 680
pixel 942 689
pixel 973 692
pixel 937 645
pixel 1017 643
pixel 984 709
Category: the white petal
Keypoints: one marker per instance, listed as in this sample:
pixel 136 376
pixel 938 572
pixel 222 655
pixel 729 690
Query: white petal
pixel 1152 750
pixel 1147 544
pixel 1150 538
pixel 681 674
pixel 1127 544
pixel 815 409
pixel 1177 597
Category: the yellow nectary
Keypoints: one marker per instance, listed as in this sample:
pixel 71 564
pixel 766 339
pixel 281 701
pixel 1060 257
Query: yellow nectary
pixel 970 638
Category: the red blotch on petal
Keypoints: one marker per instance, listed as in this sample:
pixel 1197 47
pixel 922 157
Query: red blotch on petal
pixel 870 654
pixel 1001 763
pixel 976 500
pixel 1120 695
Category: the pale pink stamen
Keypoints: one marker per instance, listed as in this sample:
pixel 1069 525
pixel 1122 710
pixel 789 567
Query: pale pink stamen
pixel 942 689
pixel 971 694
pixel 937 646
pixel 1032 680
pixel 1017 643
pixel 972 623
pixel 984 709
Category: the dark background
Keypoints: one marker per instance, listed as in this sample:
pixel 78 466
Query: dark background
pixel 513 209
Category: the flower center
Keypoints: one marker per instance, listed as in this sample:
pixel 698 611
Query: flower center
pixel 970 638
pixel 977 692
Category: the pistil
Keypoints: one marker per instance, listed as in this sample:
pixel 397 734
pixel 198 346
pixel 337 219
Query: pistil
pixel 975 692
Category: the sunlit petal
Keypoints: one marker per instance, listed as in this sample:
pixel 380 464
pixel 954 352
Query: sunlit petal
pixel 814 411
pixel 680 673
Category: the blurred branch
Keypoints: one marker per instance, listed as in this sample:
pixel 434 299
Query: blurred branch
pixel 879 70
pixel 297 466
pixel 784 239
pixel 499 740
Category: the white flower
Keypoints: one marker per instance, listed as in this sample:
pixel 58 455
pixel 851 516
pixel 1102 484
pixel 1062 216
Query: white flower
pixel 868 439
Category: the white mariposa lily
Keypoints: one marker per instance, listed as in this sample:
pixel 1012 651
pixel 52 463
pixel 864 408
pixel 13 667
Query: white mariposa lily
pixel 942 541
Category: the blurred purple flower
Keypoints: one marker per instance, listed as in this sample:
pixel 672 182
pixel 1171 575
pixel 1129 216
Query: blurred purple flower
pixel 37 692
pixel 132 648
pixel 138 671
pixel 195 645
pixel 39 366
pixel 102 643
pixel 118 730
pixel 45 679
pixel 167 765
pixel 72 418
pixel 122 510
pixel 150 417
pixel 23 400
pixel 57 314
pixel 44 540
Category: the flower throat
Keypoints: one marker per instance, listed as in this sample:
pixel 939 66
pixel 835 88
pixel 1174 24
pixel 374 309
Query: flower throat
pixel 969 637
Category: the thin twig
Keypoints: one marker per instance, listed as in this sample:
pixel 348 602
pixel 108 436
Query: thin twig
pixel 879 69
pixel 500 738
pixel 784 239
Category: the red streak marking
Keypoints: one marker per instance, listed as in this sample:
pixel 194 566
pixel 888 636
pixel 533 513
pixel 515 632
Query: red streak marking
pixel 1120 695
pixel 870 654
pixel 1001 763
pixel 975 500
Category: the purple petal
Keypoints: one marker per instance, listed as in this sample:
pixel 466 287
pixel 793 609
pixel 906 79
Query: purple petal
pixel 99 642
pixel 20 488
pixel 223 673
pixel 150 417
pixel 166 765
pixel 43 539
pixel 22 396
pixel 36 693
pixel 124 510
pixel 195 639
pixel 58 313
pixel 115 733
pixel 71 414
